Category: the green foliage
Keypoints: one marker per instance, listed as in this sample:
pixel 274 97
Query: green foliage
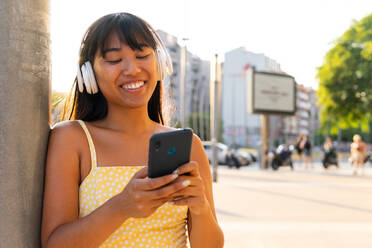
pixel 345 80
pixel 57 98
pixel 177 125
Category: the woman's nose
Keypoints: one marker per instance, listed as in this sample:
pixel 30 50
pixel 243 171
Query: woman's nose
pixel 130 66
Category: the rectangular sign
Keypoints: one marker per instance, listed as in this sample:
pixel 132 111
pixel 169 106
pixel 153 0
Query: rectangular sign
pixel 271 93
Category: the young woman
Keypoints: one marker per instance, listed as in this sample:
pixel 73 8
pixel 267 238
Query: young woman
pixel 358 153
pixel 97 193
pixel 300 143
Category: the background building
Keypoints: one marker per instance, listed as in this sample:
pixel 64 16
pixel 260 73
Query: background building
pixel 240 127
pixel 306 119
pixel 244 129
pixel 301 122
pixel 197 82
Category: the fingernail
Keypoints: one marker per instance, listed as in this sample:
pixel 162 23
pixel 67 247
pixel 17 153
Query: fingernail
pixel 174 176
pixel 186 183
pixel 171 202
pixel 175 172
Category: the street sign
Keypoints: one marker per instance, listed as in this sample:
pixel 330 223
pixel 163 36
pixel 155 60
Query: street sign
pixel 270 93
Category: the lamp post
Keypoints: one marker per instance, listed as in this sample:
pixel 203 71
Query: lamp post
pixel 183 81
pixel 215 103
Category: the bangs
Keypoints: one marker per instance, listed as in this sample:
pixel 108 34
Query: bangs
pixel 130 30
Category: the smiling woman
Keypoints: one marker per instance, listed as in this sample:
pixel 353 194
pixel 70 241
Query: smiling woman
pixel 97 189
pixel 110 46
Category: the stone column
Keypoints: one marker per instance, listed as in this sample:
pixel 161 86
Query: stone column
pixel 24 118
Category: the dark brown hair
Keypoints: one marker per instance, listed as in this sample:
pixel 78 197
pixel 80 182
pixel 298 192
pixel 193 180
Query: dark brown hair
pixel 134 32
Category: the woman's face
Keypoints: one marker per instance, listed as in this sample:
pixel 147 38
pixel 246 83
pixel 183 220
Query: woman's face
pixel 126 77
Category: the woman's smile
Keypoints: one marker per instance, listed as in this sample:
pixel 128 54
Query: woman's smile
pixel 135 86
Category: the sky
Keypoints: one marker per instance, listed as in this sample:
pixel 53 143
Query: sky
pixel 297 34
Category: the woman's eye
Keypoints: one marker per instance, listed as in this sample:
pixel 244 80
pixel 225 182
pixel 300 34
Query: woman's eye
pixel 114 61
pixel 142 56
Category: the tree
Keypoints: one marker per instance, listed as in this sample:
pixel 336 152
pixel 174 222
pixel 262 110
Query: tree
pixel 345 79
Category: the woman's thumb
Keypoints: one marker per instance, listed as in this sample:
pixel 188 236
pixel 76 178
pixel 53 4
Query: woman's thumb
pixel 142 173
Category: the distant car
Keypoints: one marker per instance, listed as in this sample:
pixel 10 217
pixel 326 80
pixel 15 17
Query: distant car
pixel 222 152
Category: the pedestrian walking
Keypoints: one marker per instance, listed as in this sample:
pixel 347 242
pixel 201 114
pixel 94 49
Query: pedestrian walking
pixel 358 153
pixel 300 144
pixel 308 152
pixel 97 193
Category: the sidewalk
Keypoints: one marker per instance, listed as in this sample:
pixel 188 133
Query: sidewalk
pixel 303 208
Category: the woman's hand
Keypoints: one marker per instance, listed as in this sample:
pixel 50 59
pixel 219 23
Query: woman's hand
pixel 142 195
pixel 193 195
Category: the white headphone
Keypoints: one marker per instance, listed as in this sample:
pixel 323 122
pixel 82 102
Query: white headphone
pixel 85 74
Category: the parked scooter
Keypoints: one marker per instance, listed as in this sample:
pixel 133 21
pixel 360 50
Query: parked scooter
pixel 282 156
pixel 368 158
pixel 330 158
pixel 232 159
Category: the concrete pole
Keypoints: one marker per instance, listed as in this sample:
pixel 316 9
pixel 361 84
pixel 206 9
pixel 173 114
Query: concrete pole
pixel 195 107
pixel 182 85
pixel 201 112
pixel 265 140
pixel 24 118
pixel 214 120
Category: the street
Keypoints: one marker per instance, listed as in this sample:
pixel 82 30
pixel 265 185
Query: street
pixel 304 208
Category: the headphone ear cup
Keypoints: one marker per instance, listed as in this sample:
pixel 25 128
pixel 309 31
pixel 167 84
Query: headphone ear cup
pixel 80 79
pixel 84 71
pixel 88 78
pixel 92 78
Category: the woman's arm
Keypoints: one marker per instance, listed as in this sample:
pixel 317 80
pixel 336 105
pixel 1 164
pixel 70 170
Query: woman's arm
pixel 203 228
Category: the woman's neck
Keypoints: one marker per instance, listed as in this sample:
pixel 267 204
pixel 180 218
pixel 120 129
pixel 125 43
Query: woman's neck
pixel 135 121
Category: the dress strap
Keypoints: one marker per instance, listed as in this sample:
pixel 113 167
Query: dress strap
pixel 93 155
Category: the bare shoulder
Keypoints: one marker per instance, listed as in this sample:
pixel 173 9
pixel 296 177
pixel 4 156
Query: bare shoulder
pixel 67 131
pixel 198 153
pixel 66 140
pixel 70 128
pixel 197 143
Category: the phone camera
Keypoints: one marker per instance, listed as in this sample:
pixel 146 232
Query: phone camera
pixel 157 145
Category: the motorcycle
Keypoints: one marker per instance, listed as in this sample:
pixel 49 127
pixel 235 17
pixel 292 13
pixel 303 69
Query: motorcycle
pixel 282 156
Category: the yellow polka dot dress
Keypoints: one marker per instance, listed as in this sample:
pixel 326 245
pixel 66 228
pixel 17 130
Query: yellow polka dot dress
pixel 164 228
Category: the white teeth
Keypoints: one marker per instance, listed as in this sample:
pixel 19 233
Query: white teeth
pixel 133 85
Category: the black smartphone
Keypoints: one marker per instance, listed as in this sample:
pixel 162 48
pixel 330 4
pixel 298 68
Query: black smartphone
pixel 168 150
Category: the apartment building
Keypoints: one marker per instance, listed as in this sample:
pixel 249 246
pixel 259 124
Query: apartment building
pixel 239 126
pixel 305 121
pixel 197 81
